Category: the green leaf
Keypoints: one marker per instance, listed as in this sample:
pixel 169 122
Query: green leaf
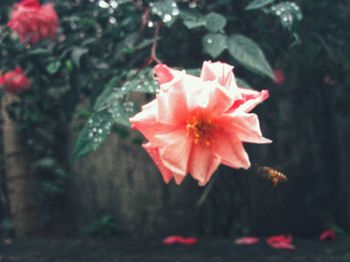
pixel 194 71
pixel 113 107
pixel 121 111
pixel 288 12
pixel 131 40
pixel 190 24
pixel 53 67
pixel 256 4
pixel 38 51
pixel 192 19
pixel 115 90
pixel 77 53
pixel 93 134
pixel 214 44
pixel 69 65
pixel 249 54
pixel 215 22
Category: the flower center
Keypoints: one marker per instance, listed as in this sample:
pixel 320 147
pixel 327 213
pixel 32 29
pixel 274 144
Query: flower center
pixel 200 127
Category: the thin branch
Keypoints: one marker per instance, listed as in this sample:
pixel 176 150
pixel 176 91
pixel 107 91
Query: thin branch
pixel 155 41
pixel 153 56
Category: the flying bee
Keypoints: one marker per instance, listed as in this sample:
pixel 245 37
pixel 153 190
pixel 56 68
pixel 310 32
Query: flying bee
pixel 273 175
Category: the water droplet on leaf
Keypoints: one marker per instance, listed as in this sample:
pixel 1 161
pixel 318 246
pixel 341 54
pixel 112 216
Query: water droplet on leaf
pixel 103 4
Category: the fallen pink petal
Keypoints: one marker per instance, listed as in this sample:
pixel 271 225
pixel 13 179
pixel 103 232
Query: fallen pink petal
pixel 171 240
pixel 188 240
pixel 327 235
pixel 247 241
pixel 281 242
pixel 282 245
pixel 279 238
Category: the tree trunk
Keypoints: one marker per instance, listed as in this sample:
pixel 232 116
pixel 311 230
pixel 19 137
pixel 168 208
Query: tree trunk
pixel 21 184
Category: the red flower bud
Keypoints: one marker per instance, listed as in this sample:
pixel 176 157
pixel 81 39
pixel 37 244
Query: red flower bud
pixel 279 76
pixel 15 81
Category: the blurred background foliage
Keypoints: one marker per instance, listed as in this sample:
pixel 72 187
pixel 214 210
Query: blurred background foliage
pixel 103 53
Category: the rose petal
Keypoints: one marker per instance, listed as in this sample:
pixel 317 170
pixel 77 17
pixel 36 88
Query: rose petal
pixel 282 245
pixel 249 100
pixel 171 240
pixel 163 74
pixel 279 238
pixel 231 152
pixel 244 126
pixel 203 163
pixel 327 235
pixel 246 241
pixel 188 240
pixel 222 73
pixel 171 146
pixel 154 154
pixel 281 242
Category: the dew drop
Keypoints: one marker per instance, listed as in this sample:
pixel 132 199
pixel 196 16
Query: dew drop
pixel 113 4
pixel 210 41
pixel 73 25
pixel 192 5
pixel 175 12
pixel 167 18
pixel 103 4
pixel 150 24
pixel 112 20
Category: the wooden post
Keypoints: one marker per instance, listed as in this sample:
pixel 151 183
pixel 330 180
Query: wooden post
pixel 21 184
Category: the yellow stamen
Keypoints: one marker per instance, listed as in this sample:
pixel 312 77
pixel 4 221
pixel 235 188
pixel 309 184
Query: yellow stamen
pixel 201 128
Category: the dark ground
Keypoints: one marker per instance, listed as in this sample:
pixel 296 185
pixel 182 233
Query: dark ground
pixel 121 249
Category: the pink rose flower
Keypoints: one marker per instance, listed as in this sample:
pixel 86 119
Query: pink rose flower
pixel 15 81
pixel 195 123
pixel 32 21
